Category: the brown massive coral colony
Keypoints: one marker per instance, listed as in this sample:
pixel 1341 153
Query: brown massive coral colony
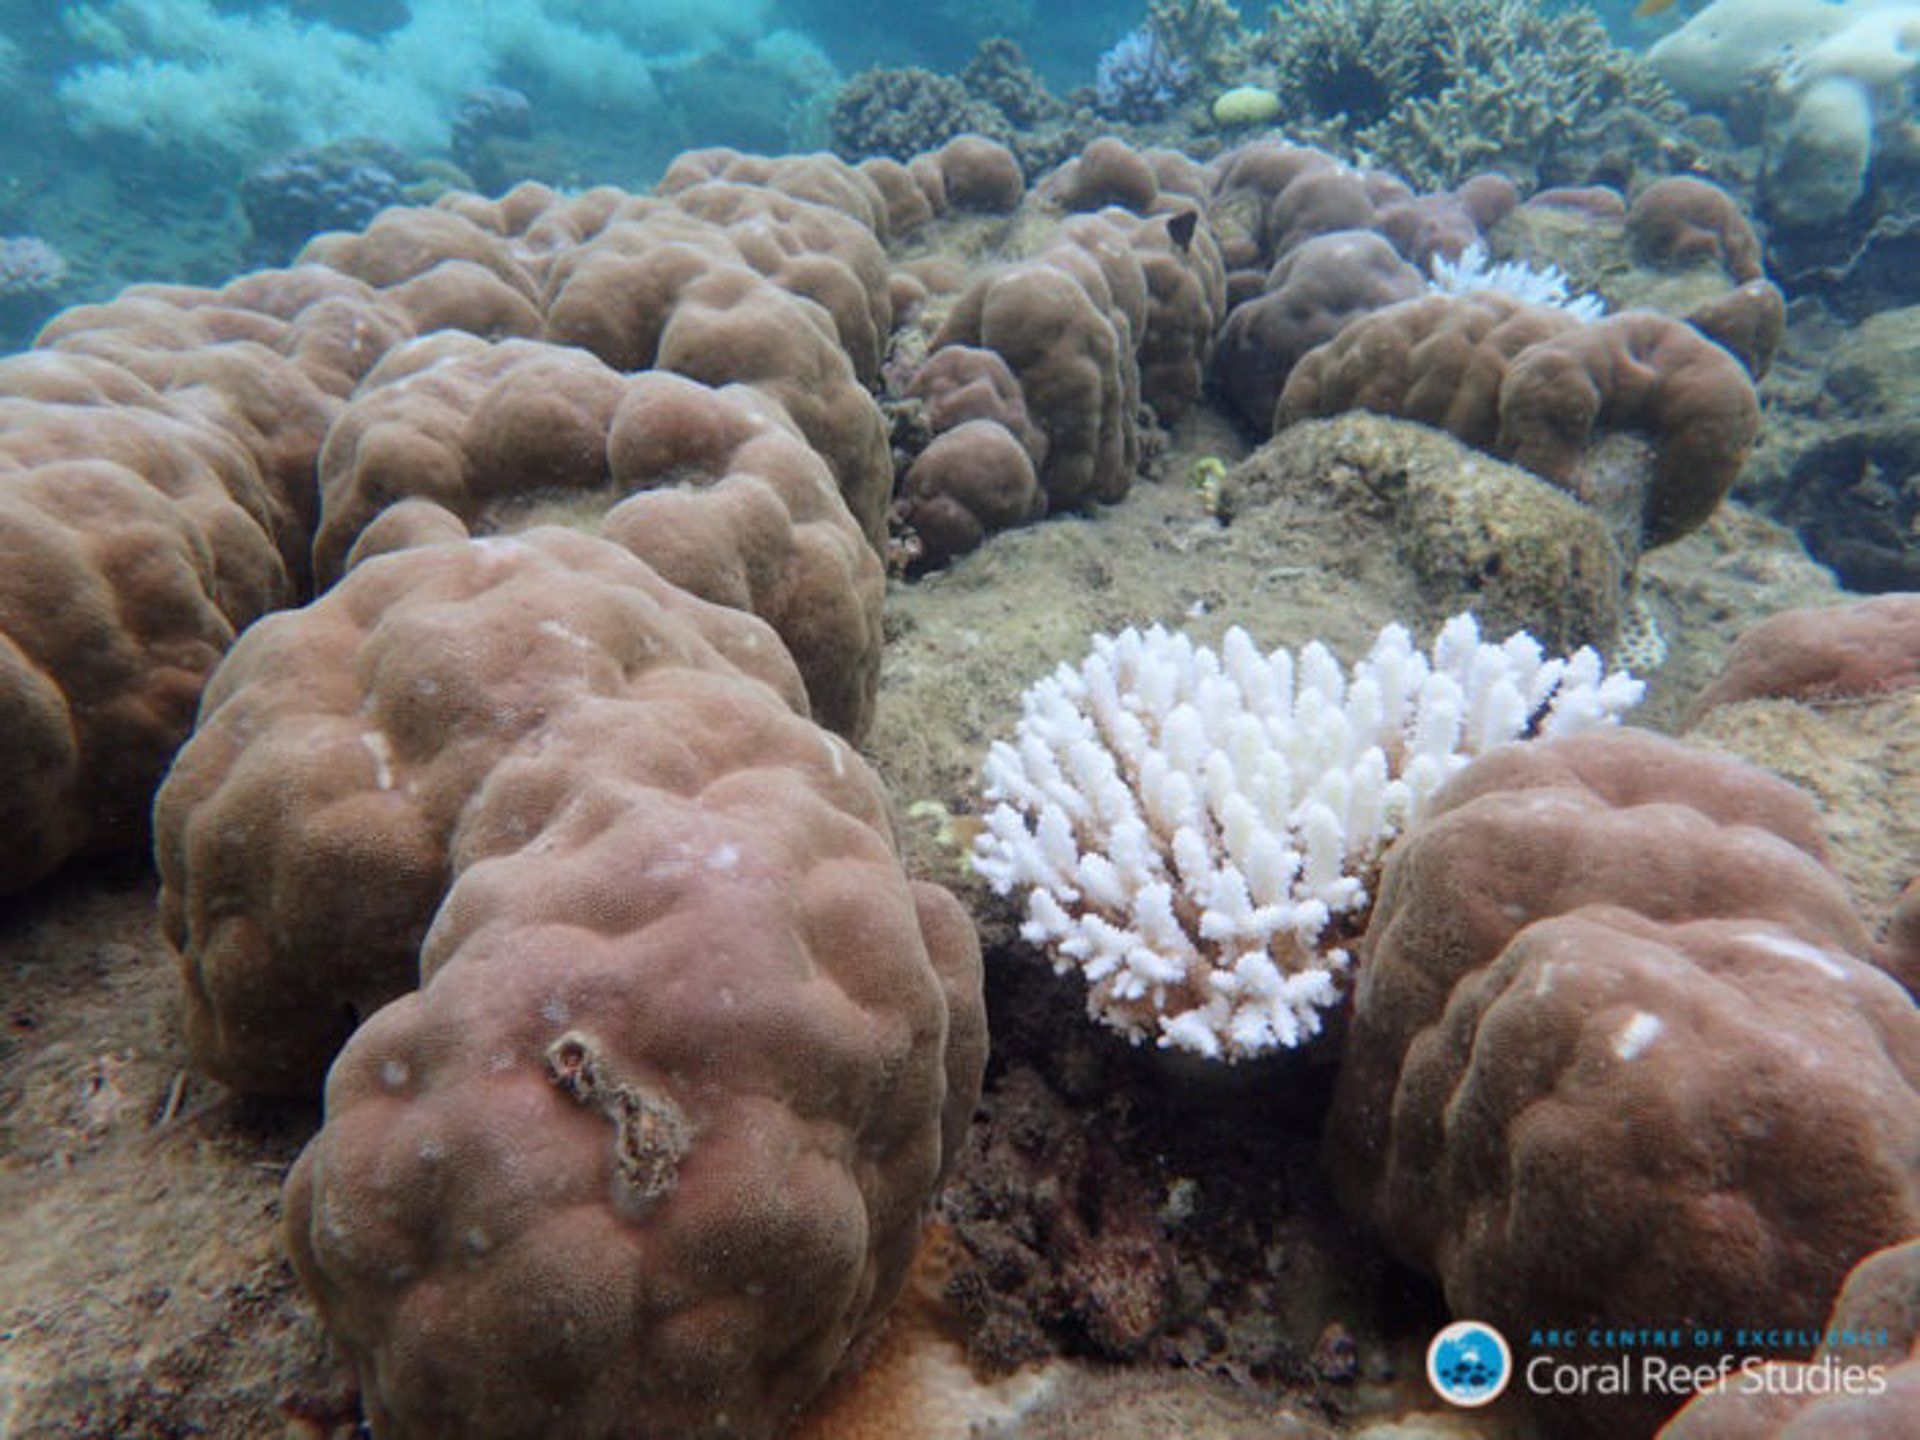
pixel 1620 1045
pixel 558 763
pixel 542 825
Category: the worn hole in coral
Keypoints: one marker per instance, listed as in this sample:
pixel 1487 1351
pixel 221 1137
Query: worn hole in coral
pixel 652 1134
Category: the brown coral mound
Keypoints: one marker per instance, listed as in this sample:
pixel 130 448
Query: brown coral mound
pixel 1749 320
pixel 1118 304
pixel 1313 293
pixel 1107 172
pixel 472 755
pixel 1617 1048
pixel 155 497
pixel 713 488
pixel 267 359
pixel 440 267
pixel 1118 308
pixel 648 1153
pixel 1311 245
pixel 1682 218
pixel 781 283
pixel 970 481
pixel 978 473
pixel 974 173
pixel 1639 415
pixel 1862 1384
pixel 664 293
pixel 1867 647
pixel 1269 197
pixel 1059 328
pixel 303 836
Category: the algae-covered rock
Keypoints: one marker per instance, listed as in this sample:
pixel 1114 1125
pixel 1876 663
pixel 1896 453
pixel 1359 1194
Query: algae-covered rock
pixel 1853 491
pixel 1470 528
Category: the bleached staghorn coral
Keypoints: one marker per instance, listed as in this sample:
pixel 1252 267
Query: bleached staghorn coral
pixel 1198 832
pixel 1474 273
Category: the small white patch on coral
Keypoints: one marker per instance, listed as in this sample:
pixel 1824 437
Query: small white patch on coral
pixel 562 632
pixel 376 745
pixel 1788 948
pixel 1640 1031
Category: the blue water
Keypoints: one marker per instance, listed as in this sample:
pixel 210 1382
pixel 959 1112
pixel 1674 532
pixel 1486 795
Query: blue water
pixel 134 124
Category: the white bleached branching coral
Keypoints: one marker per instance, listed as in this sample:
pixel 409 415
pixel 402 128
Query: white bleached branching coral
pixel 1199 832
pixel 1474 272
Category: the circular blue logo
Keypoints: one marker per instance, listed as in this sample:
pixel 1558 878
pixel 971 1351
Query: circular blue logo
pixel 1469 1363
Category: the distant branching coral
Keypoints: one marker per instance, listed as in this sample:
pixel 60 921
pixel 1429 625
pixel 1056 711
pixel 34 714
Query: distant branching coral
pixel 904 112
pixel 1204 34
pixel 999 74
pixel 1437 89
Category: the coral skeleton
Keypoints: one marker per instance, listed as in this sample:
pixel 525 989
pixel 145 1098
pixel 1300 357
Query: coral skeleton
pixel 1199 832
pixel 1473 273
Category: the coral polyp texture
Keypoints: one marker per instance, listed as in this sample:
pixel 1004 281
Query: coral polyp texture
pixel 1198 832
pixel 1861 1384
pixel 155 494
pixel 304 835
